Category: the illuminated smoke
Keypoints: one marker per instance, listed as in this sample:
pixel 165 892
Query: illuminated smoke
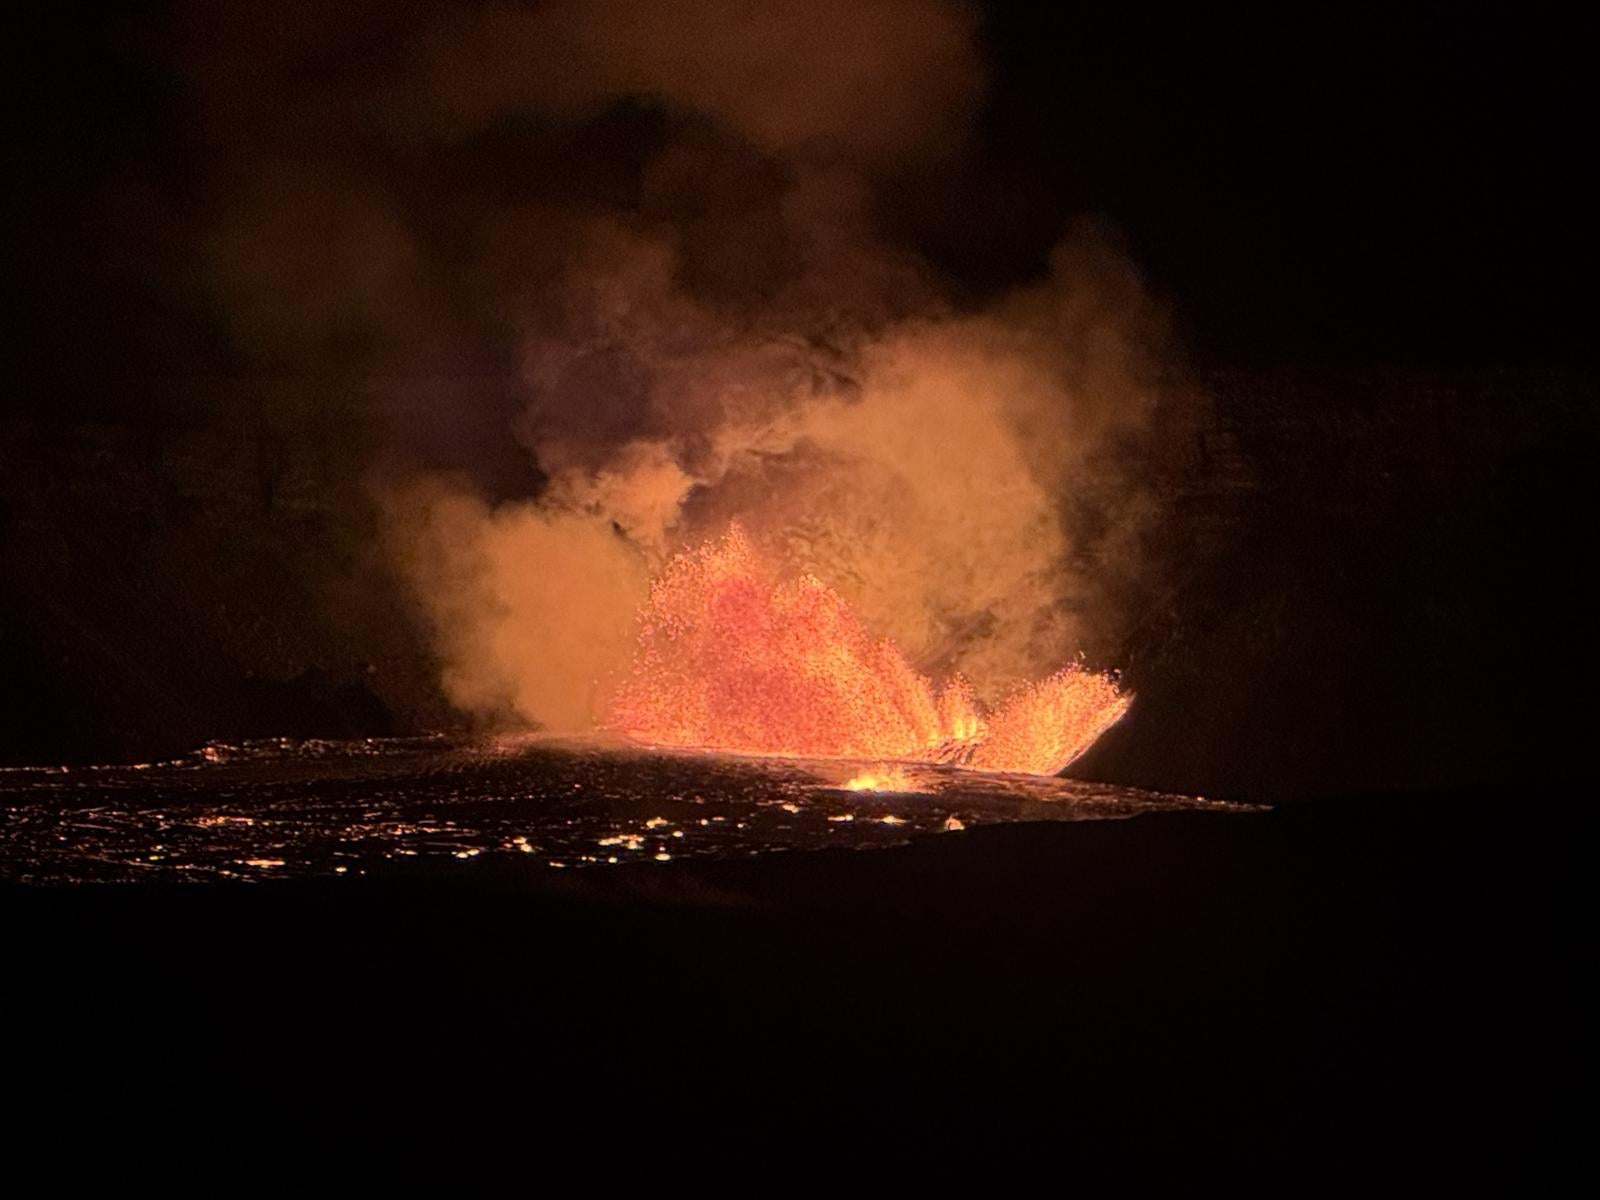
pixel 689 313
pixel 919 471
pixel 781 367
pixel 875 80
pixel 533 611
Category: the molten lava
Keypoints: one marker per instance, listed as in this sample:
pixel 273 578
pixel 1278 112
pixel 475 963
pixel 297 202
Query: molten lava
pixel 730 657
pixel 882 778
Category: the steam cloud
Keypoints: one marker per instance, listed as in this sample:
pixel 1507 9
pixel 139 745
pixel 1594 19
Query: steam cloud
pixel 692 313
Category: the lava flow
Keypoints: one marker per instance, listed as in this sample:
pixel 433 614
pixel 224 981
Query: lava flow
pixel 732 658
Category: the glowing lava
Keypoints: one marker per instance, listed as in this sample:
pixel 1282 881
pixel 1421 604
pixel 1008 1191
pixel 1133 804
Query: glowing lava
pixel 730 657
pixel 883 778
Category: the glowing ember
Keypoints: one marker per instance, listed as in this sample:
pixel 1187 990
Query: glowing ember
pixel 882 779
pixel 730 657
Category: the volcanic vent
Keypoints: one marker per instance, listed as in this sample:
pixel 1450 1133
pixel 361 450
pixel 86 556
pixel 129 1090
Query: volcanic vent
pixel 732 657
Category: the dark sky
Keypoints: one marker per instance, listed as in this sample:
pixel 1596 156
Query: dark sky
pixel 1367 186
pixel 1356 187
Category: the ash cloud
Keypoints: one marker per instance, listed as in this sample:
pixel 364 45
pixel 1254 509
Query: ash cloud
pixel 613 274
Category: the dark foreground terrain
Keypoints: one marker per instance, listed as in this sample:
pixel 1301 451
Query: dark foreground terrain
pixel 1369 985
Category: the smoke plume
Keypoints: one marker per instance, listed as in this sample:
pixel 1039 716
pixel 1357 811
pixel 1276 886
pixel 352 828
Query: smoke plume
pixel 620 273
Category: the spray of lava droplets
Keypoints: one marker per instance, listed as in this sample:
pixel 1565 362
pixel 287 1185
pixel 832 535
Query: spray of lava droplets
pixel 732 658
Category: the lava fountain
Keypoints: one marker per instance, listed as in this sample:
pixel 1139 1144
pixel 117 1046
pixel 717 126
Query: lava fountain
pixel 731 657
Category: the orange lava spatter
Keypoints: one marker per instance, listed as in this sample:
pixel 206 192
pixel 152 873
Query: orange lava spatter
pixel 730 657
pixel 1047 724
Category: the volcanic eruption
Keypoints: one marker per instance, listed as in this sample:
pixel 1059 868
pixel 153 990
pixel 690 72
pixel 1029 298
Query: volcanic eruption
pixel 730 657
pixel 774 482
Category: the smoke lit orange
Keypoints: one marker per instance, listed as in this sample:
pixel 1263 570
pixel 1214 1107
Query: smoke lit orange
pixel 730 657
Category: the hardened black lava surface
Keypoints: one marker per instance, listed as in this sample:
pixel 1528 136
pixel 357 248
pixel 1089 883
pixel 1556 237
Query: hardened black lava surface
pixel 277 809
pixel 1351 987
